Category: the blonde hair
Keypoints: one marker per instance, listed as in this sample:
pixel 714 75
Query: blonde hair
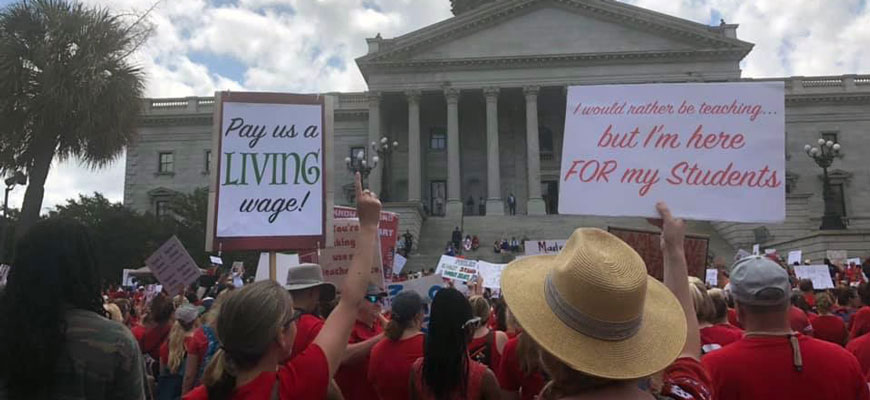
pixel 480 308
pixel 114 312
pixel 248 322
pixel 176 344
pixel 704 309
pixel 824 303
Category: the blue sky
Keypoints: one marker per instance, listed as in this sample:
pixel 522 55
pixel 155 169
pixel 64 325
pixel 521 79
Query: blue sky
pixel 200 46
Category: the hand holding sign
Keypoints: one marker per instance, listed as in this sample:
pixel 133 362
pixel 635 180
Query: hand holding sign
pixel 368 207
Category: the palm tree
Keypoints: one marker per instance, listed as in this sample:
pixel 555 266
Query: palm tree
pixel 67 89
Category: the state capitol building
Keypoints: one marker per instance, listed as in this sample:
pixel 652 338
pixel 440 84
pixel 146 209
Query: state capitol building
pixel 477 106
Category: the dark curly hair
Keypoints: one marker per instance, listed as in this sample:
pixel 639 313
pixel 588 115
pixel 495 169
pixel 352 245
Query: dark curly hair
pixel 54 268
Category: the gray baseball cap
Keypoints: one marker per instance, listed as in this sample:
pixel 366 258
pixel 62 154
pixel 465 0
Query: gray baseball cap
pixel 758 281
pixel 305 276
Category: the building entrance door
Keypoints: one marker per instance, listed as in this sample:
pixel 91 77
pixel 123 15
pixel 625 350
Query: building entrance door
pixel 550 193
pixel 438 197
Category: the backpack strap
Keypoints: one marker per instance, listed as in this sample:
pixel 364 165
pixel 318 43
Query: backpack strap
pixel 274 395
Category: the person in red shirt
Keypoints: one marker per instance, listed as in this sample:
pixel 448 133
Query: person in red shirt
pixel 156 328
pixel 827 326
pixel 847 303
pixel 308 289
pixel 486 344
pixel 352 376
pixel 603 324
pixel 860 323
pixel 860 348
pixel 794 366
pixel 798 318
pixel 519 374
pixel 391 359
pixel 256 327
pixel 446 371
pixel 718 333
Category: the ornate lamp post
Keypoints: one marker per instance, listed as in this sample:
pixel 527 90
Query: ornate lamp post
pixel 824 155
pixel 385 149
pixel 360 162
pixel 361 165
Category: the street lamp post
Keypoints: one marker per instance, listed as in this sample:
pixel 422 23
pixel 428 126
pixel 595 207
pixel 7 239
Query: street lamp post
pixel 18 178
pixel 360 162
pixel 824 156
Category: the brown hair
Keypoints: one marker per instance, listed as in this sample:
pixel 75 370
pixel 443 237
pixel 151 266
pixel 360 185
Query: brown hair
pixel 824 303
pixel 720 308
pixel 703 306
pixel 805 285
pixel 480 308
pixel 247 325
pixel 565 382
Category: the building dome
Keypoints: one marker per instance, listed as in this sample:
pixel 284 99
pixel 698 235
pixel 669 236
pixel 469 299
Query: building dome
pixel 461 6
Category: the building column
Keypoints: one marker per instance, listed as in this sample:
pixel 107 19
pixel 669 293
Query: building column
pixel 414 171
pixel 535 204
pixel 374 99
pixel 454 197
pixel 494 204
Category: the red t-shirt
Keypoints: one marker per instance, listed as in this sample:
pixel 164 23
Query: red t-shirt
pixel 830 328
pixel 390 366
pixel 164 353
pixel 474 386
pixel 305 377
pixel 810 299
pixel 138 332
pixel 732 318
pixel 307 328
pixel 197 345
pixel 352 378
pixel 511 377
pixel 860 347
pixel 476 346
pixel 799 321
pixel 718 336
pixel 763 368
pixel 860 322
pixel 686 379
pixel 153 338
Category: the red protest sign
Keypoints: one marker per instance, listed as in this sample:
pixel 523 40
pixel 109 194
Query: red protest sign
pixel 648 245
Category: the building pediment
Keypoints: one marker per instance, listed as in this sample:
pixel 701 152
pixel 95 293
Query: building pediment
pixel 553 30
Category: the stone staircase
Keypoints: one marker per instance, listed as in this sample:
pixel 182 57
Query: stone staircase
pixel 436 232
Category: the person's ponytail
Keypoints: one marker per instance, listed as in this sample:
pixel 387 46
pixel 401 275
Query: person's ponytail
pixel 394 329
pixel 219 377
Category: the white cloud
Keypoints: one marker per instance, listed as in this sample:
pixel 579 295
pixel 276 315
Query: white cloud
pixel 310 46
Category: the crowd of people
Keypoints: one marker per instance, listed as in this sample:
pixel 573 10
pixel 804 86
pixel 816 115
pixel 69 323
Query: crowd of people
pixel 586 323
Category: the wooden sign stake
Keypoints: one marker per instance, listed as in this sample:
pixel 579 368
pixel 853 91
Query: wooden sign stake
pixel 273 266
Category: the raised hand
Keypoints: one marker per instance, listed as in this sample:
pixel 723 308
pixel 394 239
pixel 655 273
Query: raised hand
pixel 673 229
pixel 368 207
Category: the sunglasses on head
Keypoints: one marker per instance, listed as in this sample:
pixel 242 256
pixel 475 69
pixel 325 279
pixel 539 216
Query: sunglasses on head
pixel 472 323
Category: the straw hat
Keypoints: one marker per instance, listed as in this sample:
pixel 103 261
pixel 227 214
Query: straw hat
pixel 594 307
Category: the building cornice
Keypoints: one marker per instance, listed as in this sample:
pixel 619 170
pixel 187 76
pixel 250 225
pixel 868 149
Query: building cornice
pixel 176 120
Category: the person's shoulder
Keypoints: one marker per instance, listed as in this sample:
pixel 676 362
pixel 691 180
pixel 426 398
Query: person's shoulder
pixel 724 355
pixel 96 328
pixel 827 350
pixel 198 393
pixel 858 342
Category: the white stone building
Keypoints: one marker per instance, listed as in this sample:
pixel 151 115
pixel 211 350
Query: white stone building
pixel 477 105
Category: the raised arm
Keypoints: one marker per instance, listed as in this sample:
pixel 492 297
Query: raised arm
pixel 336 330
pixel 676 275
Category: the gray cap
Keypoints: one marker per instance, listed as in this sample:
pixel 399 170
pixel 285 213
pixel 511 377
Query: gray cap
pixel 186 313
pixel 758 281
pixel 375 290
pixel 306 276
pixel 406 305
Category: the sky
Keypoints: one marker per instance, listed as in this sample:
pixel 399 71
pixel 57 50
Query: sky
pixel 200 46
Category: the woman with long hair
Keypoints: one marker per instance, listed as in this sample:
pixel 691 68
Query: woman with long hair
pixel 256 328
pixel 174 352
pixel 55 341
pixel 715 329
pixel 203 345
pixel 391 359
pixel 486 344
pixel 828 326
pixel 603 324
pixel 519 374
pixel 446 371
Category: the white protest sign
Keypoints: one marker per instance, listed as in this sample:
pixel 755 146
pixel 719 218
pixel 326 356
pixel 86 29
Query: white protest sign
pixel 283 262
pixel 755 249
pixel 856 261
pixel 457 269
pixel 712 150
pixel 819 274
pixel 538 247
pixel 399 262
pixel 173 267
pixel 216 260
pixel 712 277
pixel 794 256
pixel 336 260
pixel 269 190
pixel 491 274
pixel 769 251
